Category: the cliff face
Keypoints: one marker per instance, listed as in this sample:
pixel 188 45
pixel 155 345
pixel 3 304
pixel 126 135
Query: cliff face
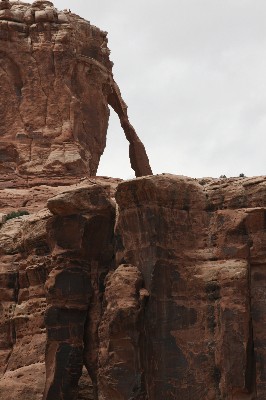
pixel 148 289
pixel 56 83
pixel 200 247
pixel 159 297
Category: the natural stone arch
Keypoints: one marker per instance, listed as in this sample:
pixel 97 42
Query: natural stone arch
pixel 138 157
pixel 137 153
pixel 58 90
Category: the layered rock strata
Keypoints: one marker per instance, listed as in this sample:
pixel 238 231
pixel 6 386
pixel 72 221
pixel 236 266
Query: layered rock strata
pixel 149 289
pixel 157 295
pixel 56 82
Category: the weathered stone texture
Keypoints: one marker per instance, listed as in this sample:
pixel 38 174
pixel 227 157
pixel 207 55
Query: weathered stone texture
pixel 120 371
pixel 198 259
pixel 81 241
pixel 23 271
pixel 148 289
pixel 52 275
pixel 160 296
pixel 56 83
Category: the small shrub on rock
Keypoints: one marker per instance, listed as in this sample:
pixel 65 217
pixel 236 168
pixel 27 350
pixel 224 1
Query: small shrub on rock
pixel 15 214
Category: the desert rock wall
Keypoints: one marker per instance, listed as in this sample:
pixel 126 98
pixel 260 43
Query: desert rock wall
pixel 200 261
pixel 156 293
pixel 55 115
pixel 148 289
pixel 56 84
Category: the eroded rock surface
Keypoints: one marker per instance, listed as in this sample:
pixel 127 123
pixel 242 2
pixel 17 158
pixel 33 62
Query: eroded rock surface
pixel 52 275
pixel 120 364
pixel 149 289
pixel 56 83
pixel 160 296
pixel 201 251
pixel 81 241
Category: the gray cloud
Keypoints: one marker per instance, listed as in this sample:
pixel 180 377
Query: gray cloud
pixel 193 75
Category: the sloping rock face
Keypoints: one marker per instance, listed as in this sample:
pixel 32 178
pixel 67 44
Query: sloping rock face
pixel 156 294
pixel 56 83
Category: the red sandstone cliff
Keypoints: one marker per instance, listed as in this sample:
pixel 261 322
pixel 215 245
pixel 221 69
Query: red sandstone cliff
pixel 148 289
pixel 56 84
pixel 160 298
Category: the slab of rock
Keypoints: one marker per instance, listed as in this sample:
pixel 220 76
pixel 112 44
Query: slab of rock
pixel 200 263
pixel 120 370
pixel 81 242
pixel 34 198
pixel 89 199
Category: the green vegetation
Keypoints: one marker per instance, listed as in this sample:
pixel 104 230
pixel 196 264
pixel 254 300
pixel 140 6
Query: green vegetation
pixel 15 214
pixel 240 176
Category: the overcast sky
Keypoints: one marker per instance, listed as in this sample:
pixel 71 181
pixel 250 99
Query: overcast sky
pixel 193 74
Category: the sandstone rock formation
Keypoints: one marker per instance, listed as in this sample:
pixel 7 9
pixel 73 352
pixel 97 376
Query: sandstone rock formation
pixel 148 289
pixel 52 273
pixel 201 250
pixel 157 295
pixel 56 82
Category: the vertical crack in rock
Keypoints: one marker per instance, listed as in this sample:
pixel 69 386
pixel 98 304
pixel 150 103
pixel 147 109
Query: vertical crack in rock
pixel 250 376
pixel 256 377
pixel 13 284
pixel 120 373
